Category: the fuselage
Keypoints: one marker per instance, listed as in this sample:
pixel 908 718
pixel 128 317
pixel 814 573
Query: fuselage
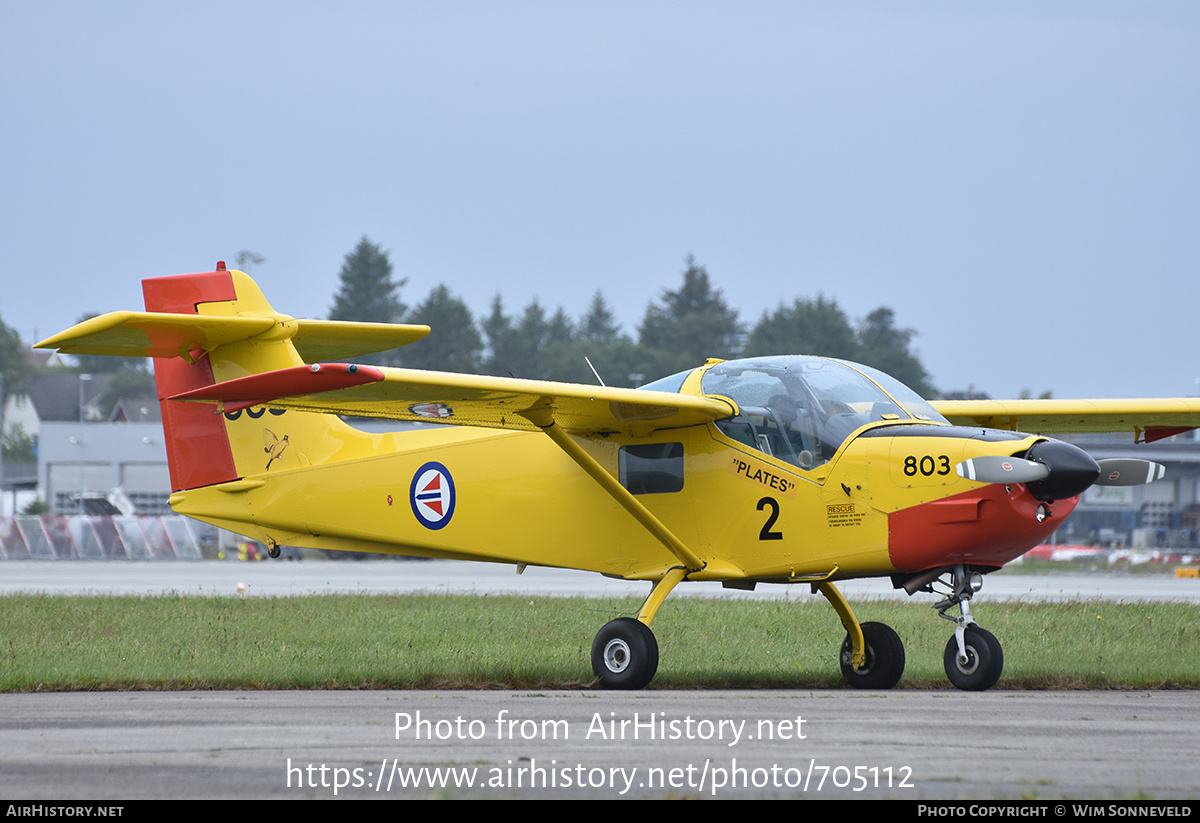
pixel 884 498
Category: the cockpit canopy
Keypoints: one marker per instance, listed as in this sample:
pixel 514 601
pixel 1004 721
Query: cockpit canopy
pixel 801 409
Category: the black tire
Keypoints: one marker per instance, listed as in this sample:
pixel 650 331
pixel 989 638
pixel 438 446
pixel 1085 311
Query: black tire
pixel 625 654
pixel 884 665
pixel 985 661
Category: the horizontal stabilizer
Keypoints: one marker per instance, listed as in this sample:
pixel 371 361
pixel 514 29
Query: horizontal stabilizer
pixel 154 334
pixel 320 341
pixel 164 334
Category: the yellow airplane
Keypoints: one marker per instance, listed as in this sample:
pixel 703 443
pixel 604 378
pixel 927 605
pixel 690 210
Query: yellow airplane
pixel 766 470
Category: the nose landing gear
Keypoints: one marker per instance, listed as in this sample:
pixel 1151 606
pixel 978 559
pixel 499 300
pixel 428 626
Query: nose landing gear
pixel 973 658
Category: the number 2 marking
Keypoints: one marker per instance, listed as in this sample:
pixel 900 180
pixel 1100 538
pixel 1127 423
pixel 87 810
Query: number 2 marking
pixel 767 533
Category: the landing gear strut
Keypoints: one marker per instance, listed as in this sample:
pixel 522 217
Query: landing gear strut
pixel 973 658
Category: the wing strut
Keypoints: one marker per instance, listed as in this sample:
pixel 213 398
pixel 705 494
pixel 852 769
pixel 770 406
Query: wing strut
pixel 541 414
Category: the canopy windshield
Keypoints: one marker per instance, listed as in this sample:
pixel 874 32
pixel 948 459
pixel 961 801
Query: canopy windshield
pixel 801 409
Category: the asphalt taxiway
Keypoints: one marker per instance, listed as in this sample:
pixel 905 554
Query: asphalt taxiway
pixel 603 745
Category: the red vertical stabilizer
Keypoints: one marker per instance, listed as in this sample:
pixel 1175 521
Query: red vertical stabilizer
pixel 198 450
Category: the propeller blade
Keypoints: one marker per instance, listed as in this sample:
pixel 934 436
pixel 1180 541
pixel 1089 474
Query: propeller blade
pixel 1129 471
pixel 999 469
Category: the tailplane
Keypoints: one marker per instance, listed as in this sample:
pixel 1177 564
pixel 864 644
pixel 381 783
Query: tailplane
pixel 210 327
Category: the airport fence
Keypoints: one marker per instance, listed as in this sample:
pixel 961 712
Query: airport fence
pixel 108 537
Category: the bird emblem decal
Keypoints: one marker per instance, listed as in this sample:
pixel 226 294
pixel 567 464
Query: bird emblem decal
pixel 273 445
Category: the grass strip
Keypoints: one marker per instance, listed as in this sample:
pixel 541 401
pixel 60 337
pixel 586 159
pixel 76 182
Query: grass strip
pixel 482 642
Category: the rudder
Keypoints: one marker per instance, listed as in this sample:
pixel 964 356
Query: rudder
pixel 198 449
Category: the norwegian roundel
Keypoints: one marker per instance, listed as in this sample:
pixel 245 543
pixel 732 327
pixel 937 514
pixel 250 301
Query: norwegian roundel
pixel 432 495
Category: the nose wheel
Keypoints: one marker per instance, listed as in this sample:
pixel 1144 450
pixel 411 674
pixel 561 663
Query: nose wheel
pixel 978 666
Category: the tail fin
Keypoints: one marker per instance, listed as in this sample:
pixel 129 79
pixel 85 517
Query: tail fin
pixel 198 447
pixel 210 327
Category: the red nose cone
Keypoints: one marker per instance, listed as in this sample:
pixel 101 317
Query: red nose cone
pixel 986 527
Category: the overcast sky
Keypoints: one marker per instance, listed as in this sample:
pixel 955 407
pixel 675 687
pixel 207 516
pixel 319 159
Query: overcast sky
pixel 1019 181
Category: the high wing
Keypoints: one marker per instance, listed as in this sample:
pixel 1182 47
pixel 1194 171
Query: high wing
pixel 1149 420
pixel 463 399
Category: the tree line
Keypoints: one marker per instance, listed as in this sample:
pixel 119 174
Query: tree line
pixel 679 330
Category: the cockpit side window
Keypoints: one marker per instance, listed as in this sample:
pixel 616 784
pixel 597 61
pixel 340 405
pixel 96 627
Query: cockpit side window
pixel 652 468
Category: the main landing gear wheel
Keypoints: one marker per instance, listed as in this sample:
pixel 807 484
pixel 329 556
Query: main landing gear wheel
pixel 884 665
pixel 625 654
pixel 984 660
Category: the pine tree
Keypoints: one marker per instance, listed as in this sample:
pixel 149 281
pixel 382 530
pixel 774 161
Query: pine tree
pixel 367 292
pixel 599 325
pixel 499 336
pixel 453 343
pixel 806 327
pixel 689 325
pixel 882 345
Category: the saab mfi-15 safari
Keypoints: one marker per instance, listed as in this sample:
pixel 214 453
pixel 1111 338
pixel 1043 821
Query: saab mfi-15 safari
pixel 781 470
